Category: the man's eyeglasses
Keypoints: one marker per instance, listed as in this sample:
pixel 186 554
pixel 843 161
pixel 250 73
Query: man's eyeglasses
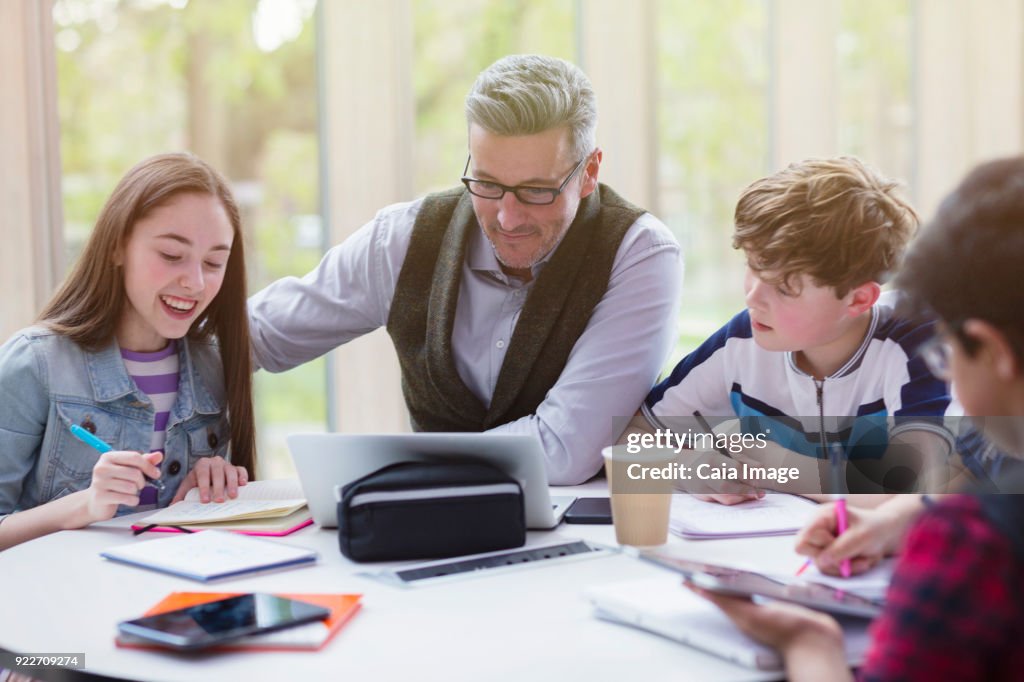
pixel 936 353
pixel 535 196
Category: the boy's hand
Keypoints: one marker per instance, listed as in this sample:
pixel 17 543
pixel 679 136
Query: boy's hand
pixel 871 535
pixel 214 476
pixel 721 491
pixel 811 642
pixel 117 478
pixel 729 499
pixel 776 624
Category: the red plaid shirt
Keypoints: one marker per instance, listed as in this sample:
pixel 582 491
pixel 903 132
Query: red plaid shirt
pixel 954 610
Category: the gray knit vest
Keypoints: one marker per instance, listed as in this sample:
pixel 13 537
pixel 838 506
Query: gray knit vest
pixel 554 315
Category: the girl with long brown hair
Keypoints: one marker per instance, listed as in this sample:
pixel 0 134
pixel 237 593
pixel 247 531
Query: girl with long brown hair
pixel 145 346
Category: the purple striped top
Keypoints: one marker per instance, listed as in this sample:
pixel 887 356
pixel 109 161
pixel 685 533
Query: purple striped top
pixel 156 375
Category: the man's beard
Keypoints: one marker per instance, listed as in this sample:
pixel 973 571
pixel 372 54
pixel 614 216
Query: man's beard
pixel 541 251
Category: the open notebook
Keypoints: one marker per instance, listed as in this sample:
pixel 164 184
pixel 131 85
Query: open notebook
pixel 664 607
pixel 774 514
pixel 272 507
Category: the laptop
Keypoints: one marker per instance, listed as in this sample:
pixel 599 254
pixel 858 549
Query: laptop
pixel 326 460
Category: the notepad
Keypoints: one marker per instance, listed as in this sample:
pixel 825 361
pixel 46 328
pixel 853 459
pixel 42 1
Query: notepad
pixel 662 606
pixel 774 514
pixel 308 637
pixel 257 500
pixel 277 526
pixel 210 555
pixel 873 584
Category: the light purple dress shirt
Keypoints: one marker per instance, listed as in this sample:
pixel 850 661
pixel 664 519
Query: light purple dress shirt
pixel 609 372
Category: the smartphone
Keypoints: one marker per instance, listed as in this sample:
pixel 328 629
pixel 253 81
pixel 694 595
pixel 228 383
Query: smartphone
pixel 735 582
pixel 590 510
pixel 205 625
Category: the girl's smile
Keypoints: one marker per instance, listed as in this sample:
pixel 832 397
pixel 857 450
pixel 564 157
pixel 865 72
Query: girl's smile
pixel 174 264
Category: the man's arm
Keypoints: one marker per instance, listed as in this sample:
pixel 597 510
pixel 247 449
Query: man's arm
pixel 348 294
pixel 615 361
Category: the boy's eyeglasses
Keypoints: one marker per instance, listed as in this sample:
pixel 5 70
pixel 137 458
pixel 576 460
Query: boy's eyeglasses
pixel 535 196
pixel 936 353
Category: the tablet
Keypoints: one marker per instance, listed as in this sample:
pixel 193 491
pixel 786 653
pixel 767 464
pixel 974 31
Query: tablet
pixel 205 625
pixel 735 582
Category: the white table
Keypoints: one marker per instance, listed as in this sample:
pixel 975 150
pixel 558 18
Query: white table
pixel 58 595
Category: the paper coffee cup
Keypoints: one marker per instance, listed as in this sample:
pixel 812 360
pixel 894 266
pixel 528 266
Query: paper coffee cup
pixel 640 502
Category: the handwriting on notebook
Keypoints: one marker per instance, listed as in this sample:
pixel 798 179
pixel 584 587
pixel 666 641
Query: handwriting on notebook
pixel 774 514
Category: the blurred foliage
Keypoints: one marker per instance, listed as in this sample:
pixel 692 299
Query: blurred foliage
pixel 138 77
pixel 875 96
pixel 141 77
pixel 447 62
pixel 712 112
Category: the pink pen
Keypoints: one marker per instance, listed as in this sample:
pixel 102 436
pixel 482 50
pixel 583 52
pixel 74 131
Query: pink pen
pixel 844 565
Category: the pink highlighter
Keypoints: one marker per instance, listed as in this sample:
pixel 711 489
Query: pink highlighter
pixel 844 565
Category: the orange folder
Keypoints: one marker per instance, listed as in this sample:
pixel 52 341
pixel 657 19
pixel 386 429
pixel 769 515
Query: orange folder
pixel 342 606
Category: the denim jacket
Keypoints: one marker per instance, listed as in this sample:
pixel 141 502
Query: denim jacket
pixel 48 383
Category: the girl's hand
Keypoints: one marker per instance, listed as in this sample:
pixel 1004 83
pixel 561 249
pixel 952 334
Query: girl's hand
pixel 214 476
pixel 117 478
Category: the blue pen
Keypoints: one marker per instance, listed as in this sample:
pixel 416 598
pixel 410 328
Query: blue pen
pixel 101 446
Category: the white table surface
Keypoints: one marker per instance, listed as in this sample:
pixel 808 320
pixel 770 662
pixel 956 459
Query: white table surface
pixel 58 595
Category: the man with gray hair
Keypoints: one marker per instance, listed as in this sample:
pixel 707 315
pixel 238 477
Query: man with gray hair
pixel 532 299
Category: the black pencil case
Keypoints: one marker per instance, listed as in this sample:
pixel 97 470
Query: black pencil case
pixel 427 510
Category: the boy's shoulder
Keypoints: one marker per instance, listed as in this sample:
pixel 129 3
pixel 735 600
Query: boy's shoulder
pixel 730 346
pixel 734 334
pixel 978 521
pixel 893 325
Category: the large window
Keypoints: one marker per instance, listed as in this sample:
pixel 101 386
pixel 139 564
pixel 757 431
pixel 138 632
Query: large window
pixel 874 54
pixel 233 81
pixel 716 103
pixel 713 137
pixel 453 42
pixel 717 93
